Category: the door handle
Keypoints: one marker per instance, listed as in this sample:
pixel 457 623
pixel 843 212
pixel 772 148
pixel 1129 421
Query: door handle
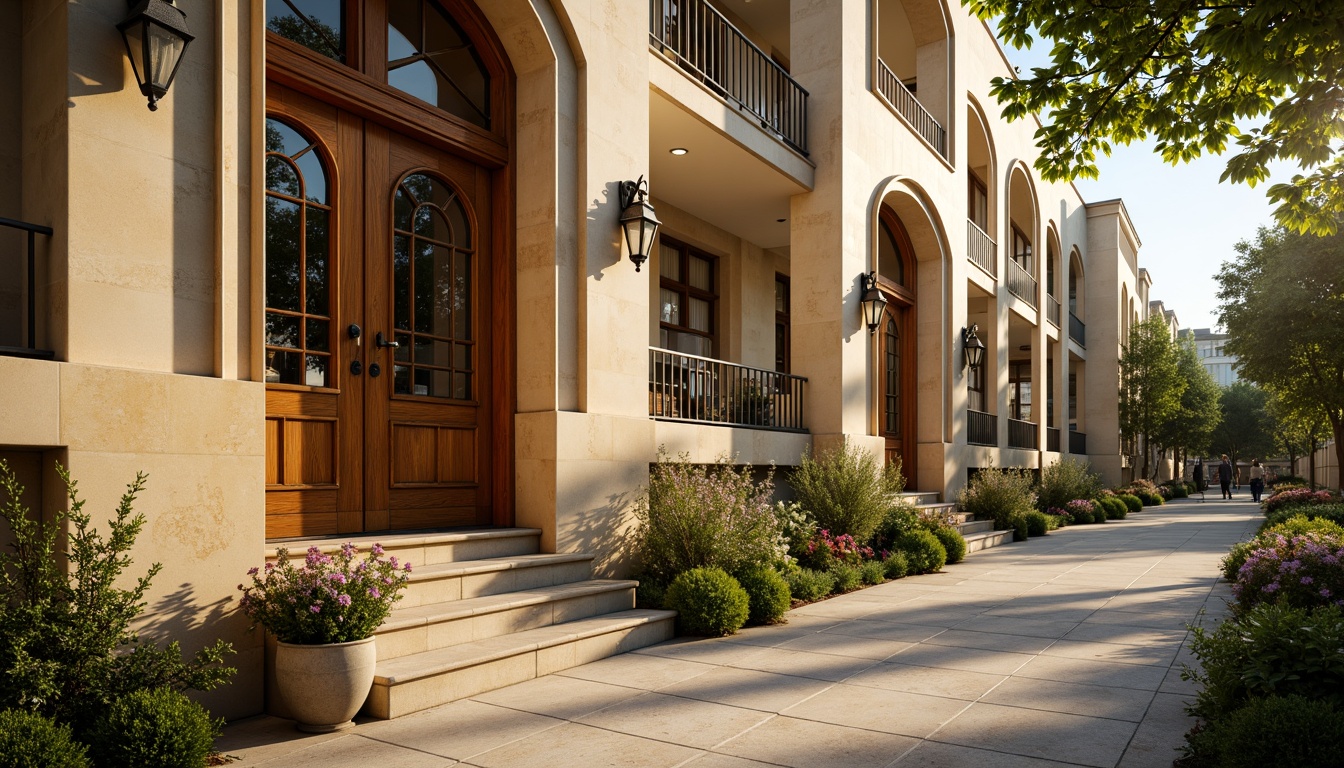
pixel 381 341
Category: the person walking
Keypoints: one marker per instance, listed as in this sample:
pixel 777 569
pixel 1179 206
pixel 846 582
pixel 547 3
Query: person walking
pixel 1225 477
pixel 1257 480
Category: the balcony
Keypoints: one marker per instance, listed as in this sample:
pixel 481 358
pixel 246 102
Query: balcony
pixel 18 297
pixel 701 390
pixel 1052 439
pixel 1077 331
pixel 981 250
pixel 982 428
pixel 899 97
pixel 1022 434
pixel 1078 443
pixel 713 51
pixel 1052 310
pixel 1020 283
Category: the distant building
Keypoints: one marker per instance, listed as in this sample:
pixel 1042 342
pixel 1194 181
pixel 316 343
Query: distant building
pixel 1212 351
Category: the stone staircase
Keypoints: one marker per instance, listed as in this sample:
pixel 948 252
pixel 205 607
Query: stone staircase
pixel 979 534
pixel 483 610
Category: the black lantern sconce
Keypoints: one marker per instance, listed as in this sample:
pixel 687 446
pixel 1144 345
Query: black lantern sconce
pixel 874 302
pixel 972 348
pixel 638 220
pixel 156 36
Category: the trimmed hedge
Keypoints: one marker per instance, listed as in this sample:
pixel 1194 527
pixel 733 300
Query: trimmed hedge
pixel 768 596
pixel 29 740
pixel 158 727
pixel 708 602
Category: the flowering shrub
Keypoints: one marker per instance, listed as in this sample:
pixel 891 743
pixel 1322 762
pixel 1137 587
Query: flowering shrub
pixel 1083 511
pixel 1304 571
pixel 1002 495
pixel 824 549
pixel 847 489
pixel 1296 498
pixel 1062 517
pixel 331 599
pixel 1065 480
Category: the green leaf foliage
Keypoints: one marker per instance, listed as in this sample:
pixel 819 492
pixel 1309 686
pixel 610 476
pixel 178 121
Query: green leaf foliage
pixel 29 740
pixel 923 552
pixel 1002 495
pixel 847 490
pixel 767 594
pixel 1282 303
pixel 1150 386
pixel 708 602
pixel 954 544
pixel 158 727
pixel 1245 431
pixel 67 649
pixel 1277 730
pixel 1195 78
pixel 1066 480
pixel 808 585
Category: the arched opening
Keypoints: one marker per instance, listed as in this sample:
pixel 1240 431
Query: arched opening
pixel 406 427
pixel 1021 237
pixel 914 73
pixel 897 350
pixel 981 192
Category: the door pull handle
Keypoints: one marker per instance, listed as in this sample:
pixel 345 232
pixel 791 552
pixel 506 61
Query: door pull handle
pixel 381 341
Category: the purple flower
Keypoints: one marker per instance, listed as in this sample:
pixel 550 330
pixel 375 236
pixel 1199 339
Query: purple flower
pixel 378 549
pixel 373 592
pixel 1306 579
pixel 344 600
pixel 315 608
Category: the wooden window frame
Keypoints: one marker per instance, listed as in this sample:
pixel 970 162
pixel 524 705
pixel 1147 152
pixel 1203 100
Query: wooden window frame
pixel 1018 252
pixel 975 184
pixel 784 357
pixel 688 291
pixel 1016 378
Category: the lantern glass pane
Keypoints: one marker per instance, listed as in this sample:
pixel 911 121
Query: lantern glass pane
pixel 135 46
pixel 165 48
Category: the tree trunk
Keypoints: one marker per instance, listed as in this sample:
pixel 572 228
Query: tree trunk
pixel 1311 463
pixel 1338 425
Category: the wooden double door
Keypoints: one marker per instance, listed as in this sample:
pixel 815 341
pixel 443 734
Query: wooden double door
pixel 378 329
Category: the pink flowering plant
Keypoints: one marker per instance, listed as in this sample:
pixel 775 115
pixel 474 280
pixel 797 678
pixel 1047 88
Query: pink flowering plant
pixel 1080 505
pixel 824 549
pixel 1297 497
pixel 334 598
pixel 1303 571
pixel 1062 516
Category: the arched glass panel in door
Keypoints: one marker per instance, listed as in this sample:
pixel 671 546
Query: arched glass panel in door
pixel 433 263
pixel 432 59
pixel 890 260
pixel 891 352
pixel 318 25
pixel 298 259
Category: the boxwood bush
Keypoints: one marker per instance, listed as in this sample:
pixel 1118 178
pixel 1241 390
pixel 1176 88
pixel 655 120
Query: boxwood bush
pixel 158 727
pixel 873 572
pixel 896 565
pixel 768 596
pixel 1273 731
pixel 954 544
pixel 923 551
pixel 807 585
pixel 708 602
pixel 1038 524
pixel 847 577
pixel 1132 503
pixel 1331 512
pixel 29 740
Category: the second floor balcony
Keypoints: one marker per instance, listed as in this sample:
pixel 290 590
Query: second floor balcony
pixel 981 249
pixel 898 95
pixel 1021 284
pixel 1077 331
pixel 708 47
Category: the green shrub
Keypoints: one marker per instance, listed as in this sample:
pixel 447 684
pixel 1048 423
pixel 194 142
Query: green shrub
pixel 767 594
pixel 1236 557
pixel 1064 481
pixel 847 577
pixel 1297 497
pixel 1300 524
pixel 1272 650
pixel 29 740
pixel 651 592
pixel 1115 508
pixel 67 647
pixel 847 490
pixel 1332 512
pixel 1132 503
pixel 1179 491
pixel 1273 731
pixel 796 527
pixel 954 544
pixel 1002 495
pixel 896 565
pixel 1038 524
pixel 923 551
pixel 708 602
pixel 873 572
pixel 695 516
pixel 901 517
pixel 1020 529
pixel 808 585
pixel 158 727
pixel 1149 499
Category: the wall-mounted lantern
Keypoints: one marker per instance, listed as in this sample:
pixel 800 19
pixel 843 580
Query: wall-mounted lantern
pixel 874 302
pixel 972 348
pixel 638 220
pixel 156 36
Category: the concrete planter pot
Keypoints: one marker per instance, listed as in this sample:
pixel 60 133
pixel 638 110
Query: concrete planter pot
pixel 325 685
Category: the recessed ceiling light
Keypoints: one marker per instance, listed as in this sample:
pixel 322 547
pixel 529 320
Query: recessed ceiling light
pixel 678 151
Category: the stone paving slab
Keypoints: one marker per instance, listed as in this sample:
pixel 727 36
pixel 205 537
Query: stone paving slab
pixel 1058 651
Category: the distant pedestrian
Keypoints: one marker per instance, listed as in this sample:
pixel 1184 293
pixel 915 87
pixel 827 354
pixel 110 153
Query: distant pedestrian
pixel 1257 480
pixel 1225 477
pixel 1236 476
pixel 1200 482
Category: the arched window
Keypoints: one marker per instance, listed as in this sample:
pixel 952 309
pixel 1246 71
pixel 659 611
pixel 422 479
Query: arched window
pixel 298 259
pixel 890 258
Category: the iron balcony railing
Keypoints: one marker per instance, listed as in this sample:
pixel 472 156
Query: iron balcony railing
pixel 704 391
pixel 1020 283
pixel 1052 439
pixel 1022 434
pixel 706 44
pixel 981 250
pixel 1052 309
pixel 982 428
pixel 1077 331
pixel 19 341
pixel 907 106
pixel 1078 443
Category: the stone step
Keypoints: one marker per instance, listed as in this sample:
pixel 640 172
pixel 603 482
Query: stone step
pixel 421 548
pixel 419 681
pixel 445 582
pixel 978 541
pixel 412 630
pixel 975 526
pixel 920 498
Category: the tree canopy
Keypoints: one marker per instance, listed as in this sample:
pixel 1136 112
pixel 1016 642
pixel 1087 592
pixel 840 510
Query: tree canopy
pixel 1246 429
pixel 1191 426
pixel 1282 305
pixel 1188 74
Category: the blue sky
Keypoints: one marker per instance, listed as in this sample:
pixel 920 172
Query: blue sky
pixel 1188 222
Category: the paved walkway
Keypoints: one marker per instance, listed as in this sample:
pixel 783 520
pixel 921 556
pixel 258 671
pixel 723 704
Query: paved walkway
pixel 1059 651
